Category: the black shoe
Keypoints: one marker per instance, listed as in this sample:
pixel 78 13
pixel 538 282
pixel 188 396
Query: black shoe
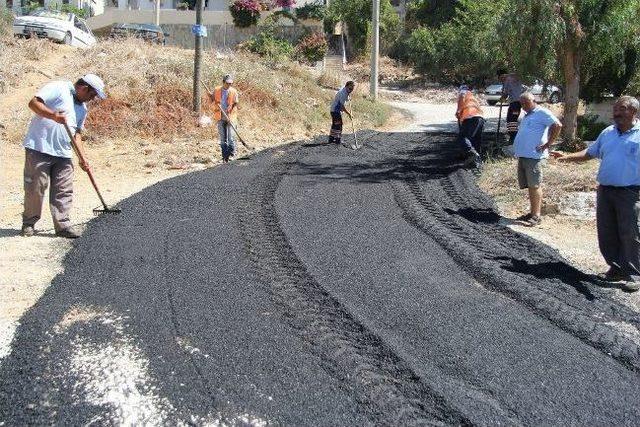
pixel 613 275
pixel 629 285
pixel 533 221
pixel 525 217
pixel 27 231
pixel 69 233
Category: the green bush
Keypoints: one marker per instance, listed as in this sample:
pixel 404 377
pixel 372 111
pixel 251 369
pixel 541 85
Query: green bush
pixel 312 48
pixel 589 127
pixel 465 48
pixel 267 45
pixel 315 10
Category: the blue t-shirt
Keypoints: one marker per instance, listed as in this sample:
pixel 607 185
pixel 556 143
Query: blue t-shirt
pixel 532 132
pixel 619 155
pixel 45 135
pixel 224 99
pixel 341 98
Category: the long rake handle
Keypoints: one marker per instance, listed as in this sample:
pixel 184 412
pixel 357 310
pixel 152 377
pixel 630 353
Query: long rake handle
pixel 353 127
pixel 77 151
pixel 498 130
pixel 224 113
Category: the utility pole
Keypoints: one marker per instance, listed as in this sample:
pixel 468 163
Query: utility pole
pixel 157 12
pixel 197 63
pixel 375 50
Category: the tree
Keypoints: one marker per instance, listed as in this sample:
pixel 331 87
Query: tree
pixel 429 13
pixel 466 48
pixel 357 15
pixel 568 33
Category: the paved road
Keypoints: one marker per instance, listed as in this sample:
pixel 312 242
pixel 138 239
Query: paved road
pixel 317 285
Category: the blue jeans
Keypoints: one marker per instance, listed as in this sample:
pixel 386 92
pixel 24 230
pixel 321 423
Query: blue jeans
pixel 227 141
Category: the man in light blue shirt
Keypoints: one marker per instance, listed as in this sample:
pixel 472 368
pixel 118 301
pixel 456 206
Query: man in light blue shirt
pixel 337 107
pixel 537 131
pixel 49 152
pixel 618 198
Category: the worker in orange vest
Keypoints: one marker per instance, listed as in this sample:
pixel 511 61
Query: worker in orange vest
pixel 225 103
pixel 470 125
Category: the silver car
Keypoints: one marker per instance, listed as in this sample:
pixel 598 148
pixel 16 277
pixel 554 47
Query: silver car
pixel 58 26
pixel 543 93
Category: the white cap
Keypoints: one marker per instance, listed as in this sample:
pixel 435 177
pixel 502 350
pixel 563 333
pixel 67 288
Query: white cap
pixel 227 78
pixel 96 83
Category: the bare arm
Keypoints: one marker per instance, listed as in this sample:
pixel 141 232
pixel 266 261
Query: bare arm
pixel 554 131
pixel 82 156
pixel 580 156
pixel 38 106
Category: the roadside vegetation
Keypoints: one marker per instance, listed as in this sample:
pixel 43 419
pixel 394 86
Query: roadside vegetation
pixel 150 95
pixel 592 48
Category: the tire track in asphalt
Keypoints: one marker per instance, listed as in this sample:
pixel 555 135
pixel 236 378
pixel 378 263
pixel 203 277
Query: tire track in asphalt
pixel 431 206
pixel 391 391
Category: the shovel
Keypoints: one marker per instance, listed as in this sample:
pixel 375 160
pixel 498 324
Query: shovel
pixel 105 208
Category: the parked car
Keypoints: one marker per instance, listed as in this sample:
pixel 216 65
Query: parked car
pixel 542 92
pixel 149 32
pixel 59 26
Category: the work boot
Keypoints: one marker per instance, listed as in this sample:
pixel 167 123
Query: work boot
pixel 612 275
pixel 27 230
pixel 629 285
pixel 69 233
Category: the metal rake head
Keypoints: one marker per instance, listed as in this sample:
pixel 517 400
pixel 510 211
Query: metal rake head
pixel 105 209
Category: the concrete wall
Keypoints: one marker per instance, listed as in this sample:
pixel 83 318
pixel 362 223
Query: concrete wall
pixel 174 17
pixel 225 36
pixel 221 31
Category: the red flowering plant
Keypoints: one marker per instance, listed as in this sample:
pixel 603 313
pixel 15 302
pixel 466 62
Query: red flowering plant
pixel 245 13
pixel 285 4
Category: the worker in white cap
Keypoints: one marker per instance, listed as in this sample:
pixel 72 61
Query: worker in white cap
pixel 48 150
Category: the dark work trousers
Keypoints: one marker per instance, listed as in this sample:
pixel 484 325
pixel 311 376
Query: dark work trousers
pixel 335 134
pixel 617 214
pixel 39 169
pixel 470 135
pixel 513 113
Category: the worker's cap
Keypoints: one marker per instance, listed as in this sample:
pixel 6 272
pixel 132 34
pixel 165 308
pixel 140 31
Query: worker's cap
pixel 96 83
pixel 463 88
pixel 228 78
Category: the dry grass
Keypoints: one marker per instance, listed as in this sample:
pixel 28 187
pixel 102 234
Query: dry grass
pixel 499 180
pixel 150 97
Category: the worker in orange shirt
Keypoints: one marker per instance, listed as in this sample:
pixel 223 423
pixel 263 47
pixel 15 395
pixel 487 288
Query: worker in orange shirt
pixel 225 102
pixel 470 125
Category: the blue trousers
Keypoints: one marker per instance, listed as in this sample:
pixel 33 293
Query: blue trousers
pixel 227 140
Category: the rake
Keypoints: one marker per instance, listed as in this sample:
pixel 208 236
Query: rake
pixel 355 135
pixel 226 117
pixel 98 210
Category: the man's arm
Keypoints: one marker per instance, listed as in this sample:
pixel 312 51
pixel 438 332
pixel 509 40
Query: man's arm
pixel 580 156
pixel 38 106
pixel 554 131
pixel 82 156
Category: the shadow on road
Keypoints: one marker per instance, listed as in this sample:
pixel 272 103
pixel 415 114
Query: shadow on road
pixel 553 270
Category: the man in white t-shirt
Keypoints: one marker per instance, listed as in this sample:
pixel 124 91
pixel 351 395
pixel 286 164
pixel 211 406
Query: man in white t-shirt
pixel 48 150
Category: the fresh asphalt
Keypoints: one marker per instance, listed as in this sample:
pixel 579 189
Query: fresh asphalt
pixel 319 285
